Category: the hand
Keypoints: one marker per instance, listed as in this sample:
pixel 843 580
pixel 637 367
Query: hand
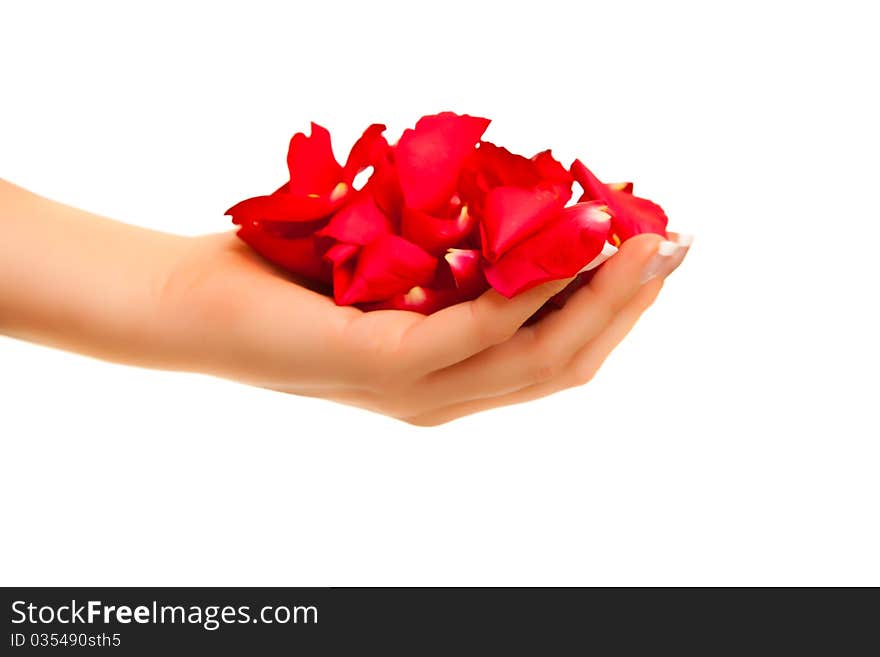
pixel 208 304
pixel 248 322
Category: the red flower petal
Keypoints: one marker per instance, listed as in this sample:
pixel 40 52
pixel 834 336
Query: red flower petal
pixel 550 169
pixel 291 229
pixel 491 167
pixel 419 299
pixel 387 266
pixel 385 187
pixel 499 167
pixel 466 266
pixel 435 234
pixel 358 222
pixel 281 206
pixel 630 215
pixel 565 245
pixel 297 255
pixel 313 169
pixel 342 259
pixel 511 214
pixel 340 254
pixel 429 158
pixel 367 150
pixel 554 174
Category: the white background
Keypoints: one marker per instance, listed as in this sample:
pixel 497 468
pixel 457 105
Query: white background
pixel 732 439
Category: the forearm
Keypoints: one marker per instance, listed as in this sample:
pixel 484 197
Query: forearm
pixel 77 281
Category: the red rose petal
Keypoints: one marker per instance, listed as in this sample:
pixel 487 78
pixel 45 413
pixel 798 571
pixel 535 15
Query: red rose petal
pixel 313 168
pixel 281 206
pixel 466 266
pixel 387 266
pixel 424 300
pixel 550 169
pixel 630 215
pixel 567 243
pixel 554 174
pixel 339 254
pixel 290 229
pixel 493 166
pixel 367 150
pixel 297 255
pixel 435 234
pixel 429 158
pixel 385 186
pixel 358 222
pixel 500 167
pixel 342 259
pixel 380 246
pixel 511 214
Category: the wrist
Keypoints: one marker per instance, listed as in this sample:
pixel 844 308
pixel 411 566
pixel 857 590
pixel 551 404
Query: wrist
pixel 196 312
pixel 77 281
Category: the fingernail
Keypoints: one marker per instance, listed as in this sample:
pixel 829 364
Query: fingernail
pixel 684 242
pixel 669 256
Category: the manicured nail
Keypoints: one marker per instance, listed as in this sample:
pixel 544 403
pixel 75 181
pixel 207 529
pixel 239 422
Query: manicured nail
pixel 684 242
pixel 669 256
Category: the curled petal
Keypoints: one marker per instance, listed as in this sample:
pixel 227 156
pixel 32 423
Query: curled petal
pixel 342 259
pixel 630 215
pixel 435 234
pixel 466 267
pixel 367 151
pixel 385 187
pixel 429 158
pixel 281 206
pixel 358 222
pixel 493 166
pixel 553 174
pixel 560 250
pixel 340 254
pixel 313 168
pixel 298 255
pixel 499 166
pixel 511 214
pixel 387 266
pixel 550 169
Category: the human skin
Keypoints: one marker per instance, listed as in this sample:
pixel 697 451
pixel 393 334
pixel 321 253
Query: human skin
pixel 76 281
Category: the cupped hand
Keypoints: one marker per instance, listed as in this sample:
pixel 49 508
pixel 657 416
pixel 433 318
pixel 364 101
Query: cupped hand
pixel 243 319
pixel 77 281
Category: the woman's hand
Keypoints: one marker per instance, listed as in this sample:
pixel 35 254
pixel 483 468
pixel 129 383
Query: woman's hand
pixel 247 321
pixel 209 304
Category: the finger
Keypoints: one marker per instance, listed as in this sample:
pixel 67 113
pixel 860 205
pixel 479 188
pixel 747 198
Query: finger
pixel 578 372
pixel 594 353
pixel 587 361
pixel 540 353
pixel 453 334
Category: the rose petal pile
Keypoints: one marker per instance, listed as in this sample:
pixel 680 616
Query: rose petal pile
pixel 442 217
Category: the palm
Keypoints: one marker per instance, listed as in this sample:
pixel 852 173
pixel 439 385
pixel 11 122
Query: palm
pixel 237 282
